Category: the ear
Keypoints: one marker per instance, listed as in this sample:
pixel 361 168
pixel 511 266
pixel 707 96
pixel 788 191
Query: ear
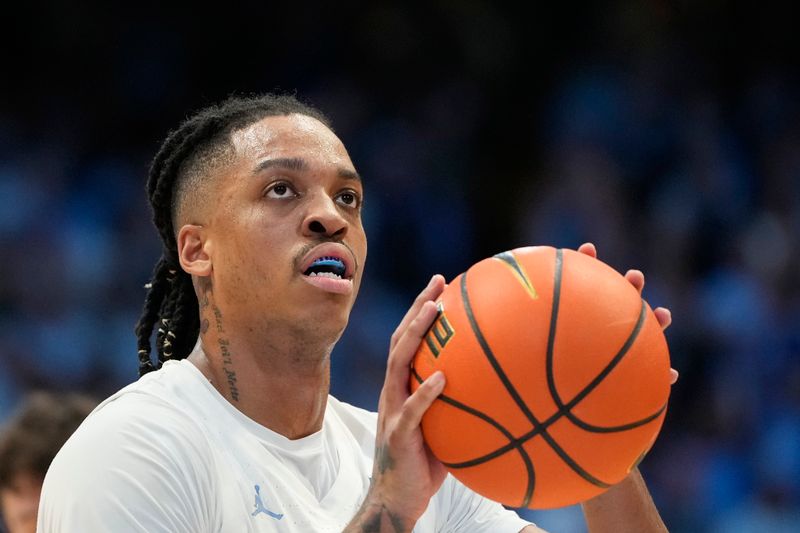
pixel 193 250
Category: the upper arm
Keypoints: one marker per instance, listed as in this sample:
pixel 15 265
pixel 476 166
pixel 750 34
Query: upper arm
pixel 123 471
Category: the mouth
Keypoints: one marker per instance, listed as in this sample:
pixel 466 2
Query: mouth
pixel 329 267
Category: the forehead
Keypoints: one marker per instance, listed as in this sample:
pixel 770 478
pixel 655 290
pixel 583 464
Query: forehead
pixel 290 136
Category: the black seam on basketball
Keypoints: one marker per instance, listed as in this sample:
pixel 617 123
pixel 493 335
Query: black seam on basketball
pixel 603 373
pixel 551 335
pixel 501 374
pixel 487 351
pixel 546 424
pixel 578 469
pixel 566 409
pixel 471 410
pixel 617 429
pixel 513 443
pixel 563 409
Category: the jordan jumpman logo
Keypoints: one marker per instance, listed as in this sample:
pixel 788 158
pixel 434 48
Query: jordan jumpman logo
pixel 261 509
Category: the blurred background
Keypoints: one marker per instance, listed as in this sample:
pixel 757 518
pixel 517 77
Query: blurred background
pixel 668 133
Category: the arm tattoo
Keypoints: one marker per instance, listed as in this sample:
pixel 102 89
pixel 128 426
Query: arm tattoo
pixel 384 458
pixel 372 521
pixel 371 518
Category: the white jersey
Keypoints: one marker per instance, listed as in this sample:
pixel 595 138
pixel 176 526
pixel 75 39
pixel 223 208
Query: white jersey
pixel 168 454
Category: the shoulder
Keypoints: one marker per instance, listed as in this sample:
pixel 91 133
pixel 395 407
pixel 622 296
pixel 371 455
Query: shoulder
pixel 142 416
pixel 134 421
pixel 135 454
pixel 132 434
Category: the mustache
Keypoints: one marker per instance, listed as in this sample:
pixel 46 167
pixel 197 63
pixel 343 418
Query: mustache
pixel 298 258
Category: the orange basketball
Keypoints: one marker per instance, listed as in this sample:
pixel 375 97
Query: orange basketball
pixel 557 377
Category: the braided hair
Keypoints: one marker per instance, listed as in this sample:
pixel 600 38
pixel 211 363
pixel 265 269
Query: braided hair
pixel 184 159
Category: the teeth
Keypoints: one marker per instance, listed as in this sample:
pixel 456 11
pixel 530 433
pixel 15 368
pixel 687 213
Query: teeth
pixel 330 275
pixel 326 258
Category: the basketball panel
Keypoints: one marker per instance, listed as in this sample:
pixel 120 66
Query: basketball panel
pixel 608 457
pixel 557 485
pixel 637 387
pixel 512 317
pixel 471 379
pixel 598 310
pixel 505 479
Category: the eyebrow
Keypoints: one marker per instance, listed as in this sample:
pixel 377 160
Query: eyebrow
pixel 299 164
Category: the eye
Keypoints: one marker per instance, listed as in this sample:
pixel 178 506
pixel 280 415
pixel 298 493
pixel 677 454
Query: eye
pixel 280 191
pixel 349 198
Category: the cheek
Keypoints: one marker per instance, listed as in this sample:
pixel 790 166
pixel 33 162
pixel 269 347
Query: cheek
pixel 255 257
pixel 365 243
pixel 361 246
pixel 360 249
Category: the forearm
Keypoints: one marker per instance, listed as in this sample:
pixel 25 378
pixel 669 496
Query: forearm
pixel 624 507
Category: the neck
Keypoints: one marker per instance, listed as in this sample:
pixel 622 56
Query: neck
pixel 281 383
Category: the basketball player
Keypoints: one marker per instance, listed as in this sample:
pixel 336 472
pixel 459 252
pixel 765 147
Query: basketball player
pixel 259 208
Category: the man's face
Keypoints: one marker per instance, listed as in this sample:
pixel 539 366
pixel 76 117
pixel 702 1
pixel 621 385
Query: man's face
pixel 285 219
pixel 20 503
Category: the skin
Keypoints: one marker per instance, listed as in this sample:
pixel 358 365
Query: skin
pixel 20 503
pixel 267 334
pixel 400 450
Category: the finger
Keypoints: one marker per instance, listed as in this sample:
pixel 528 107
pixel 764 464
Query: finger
pixel 664 317
pixel 432 291
pixel 407 344
pixel 673 376
pixel 589 249
pixel 636 278
pixel 397 367
pixel 419 402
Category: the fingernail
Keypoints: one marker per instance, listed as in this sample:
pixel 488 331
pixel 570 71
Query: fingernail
pixel 430 283
pixel 437 379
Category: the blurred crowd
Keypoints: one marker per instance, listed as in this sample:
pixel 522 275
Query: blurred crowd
pixel 667 135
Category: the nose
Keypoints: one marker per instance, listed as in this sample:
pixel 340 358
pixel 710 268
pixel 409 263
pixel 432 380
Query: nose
pixel 323 219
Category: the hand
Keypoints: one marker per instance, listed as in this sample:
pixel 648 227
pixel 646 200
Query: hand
pixel 636 278
pixel 627 506
pixel 405 474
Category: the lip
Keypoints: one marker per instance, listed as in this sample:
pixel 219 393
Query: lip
pixel 330 249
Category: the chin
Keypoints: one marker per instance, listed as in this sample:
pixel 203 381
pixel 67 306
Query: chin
pixel 325 324
pixel 334 326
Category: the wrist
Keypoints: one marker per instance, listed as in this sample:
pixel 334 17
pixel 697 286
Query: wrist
pixel 627 506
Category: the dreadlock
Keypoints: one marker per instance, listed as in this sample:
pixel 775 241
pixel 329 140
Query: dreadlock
pixel 185 157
